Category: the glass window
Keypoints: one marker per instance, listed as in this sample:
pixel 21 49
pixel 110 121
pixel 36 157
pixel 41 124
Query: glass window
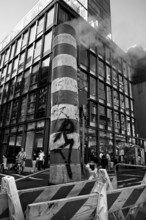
pixel 29 56
pixel 12 51
pixel 9 71
pixel 92 88
pixel 18 46
pixel 37 50
pixel 115 79
pixel 83 57
pixel 131 103
pixel 133 127
pixel 63 16
pixel 102 117
pixel 92 114
pixel 101 49
pixel 3 75
pixel 130 89
pixel 107 54
pixel 92 63
pixel 121 102
pixel 101 91
pixel 24 40
pixel 116 99
pixel 50 18
pixel 15 66
pixel 32 34
pixel 39 139
pixel 109 96
pixel 5 92
pixel 47 43
pixel 41 111
pixel 101 70
pixel 1 91
pixel 34 77
pixel 124 69
pixel 14 111
pixel 25 81
pixel 11 89
pixel 108 74
pixel 123 124
pixel 45 70
pixel 7 55
pixel 82 81
pixel 29 144
pixel 40 26
pixel 109 119
pixel 127 105
pixel 23 109
pixel 18 85
pixel 31 106
pixel 8 113
pixel 128 125
pixel 2 59
pixel 21 62
pixel 117 121
pixel 121 84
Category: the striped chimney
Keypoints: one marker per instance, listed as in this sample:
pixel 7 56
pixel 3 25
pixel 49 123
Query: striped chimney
pixel 64 132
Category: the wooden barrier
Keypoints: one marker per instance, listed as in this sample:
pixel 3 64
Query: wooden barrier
pixel 4 211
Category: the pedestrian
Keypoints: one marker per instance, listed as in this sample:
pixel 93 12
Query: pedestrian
pixel 34 161
pixel 21 158
pixel 41 160
pixel 109 162
pixel 104 162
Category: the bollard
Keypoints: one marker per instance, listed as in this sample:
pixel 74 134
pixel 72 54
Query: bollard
pixel 8 186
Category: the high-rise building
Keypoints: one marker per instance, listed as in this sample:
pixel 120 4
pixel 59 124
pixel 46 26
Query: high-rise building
pixel 107 121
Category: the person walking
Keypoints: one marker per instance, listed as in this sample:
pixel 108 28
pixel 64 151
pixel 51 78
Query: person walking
pixel 104 162
pixel 41 160
pixel 21 158
pixel 34 161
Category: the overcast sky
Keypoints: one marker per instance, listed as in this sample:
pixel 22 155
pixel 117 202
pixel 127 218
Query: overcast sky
pixel 128 19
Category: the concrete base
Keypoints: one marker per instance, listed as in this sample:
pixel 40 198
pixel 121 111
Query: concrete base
pixel 59 174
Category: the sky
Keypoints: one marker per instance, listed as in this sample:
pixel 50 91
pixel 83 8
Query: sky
pixel 128 20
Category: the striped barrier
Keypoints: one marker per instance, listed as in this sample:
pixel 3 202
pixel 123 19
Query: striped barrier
pixel 49 193
pixel 125 202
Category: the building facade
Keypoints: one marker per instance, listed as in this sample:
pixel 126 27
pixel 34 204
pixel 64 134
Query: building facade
pixel 107 121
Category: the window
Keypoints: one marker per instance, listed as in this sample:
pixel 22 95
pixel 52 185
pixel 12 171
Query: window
pixel 24 40
pixel 101 70
pixel 47 43
pixel 130 89
pixel 50 18
pixel 11 89
pixel 23 108
pixel 116 99
pixel 63 16
pixel 127 105
pixel 32 34
pixel 109 96
pixel 107 54
pixel 121 84
pixel 109 119
pixel 25 81
pixel 128 125
pixel 123 124
pixel 8 113
pixel 101 91
pixel 117 121
pixel 92 114
pixel 101 49
pixel 108 74
pixel 41 111
pixel 2 59
pixel 102 117
pixel 121 102
pixel 124 69
pixel 92 88
pixel 18 46
pixel 7 55
pixel 82 81
pixel 29 56
pixel 14 111
pixel 21 62
pixel 15 66
pixel 12 51
pixel 5 93
pixel 45 71
pixel 34 76
pixel 83 57
pixel 18 85
pixel 37 50
pixel 31 106
pixel 40 26
pixel 3 75
pixel 92 64
pixel 115 79
pixel 9 71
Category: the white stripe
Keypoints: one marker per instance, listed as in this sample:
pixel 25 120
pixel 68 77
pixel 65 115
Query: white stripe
pixel 64 111
pixel 64 39
pixel 58 143
pixel 64 60
pixel 64 83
